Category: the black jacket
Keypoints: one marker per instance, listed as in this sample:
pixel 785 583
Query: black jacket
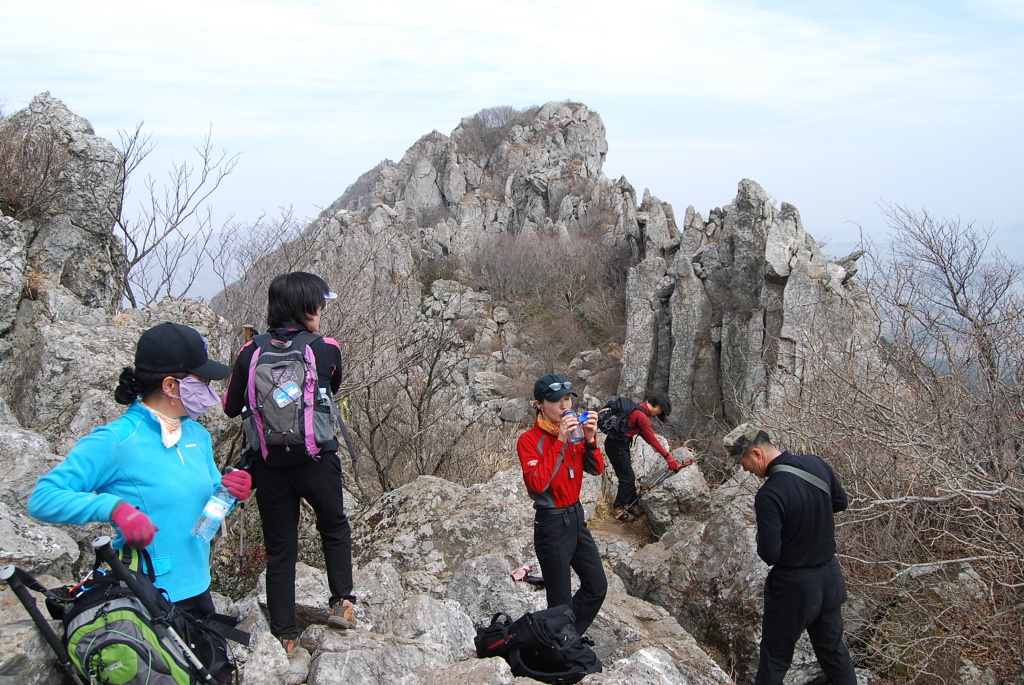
pixel 795 523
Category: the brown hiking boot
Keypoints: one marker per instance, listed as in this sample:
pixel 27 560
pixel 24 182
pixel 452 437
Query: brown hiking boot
pixel 290 645
pixel 343 615
pixel 621 514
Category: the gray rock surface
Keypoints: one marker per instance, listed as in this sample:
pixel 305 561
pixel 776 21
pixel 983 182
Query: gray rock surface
pixel 73 246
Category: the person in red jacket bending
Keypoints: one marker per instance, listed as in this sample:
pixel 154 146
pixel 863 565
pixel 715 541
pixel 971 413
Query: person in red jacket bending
pixel 553 469
pixel 619 448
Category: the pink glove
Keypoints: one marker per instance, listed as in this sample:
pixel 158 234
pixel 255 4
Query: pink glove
pixel 138 530
pixel 238 483
pixel 672 463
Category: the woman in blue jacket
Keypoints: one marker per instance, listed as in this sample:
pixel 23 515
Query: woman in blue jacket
pixel 151 471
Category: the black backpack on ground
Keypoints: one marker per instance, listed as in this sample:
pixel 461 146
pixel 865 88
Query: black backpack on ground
pixel 542 645
pixel 613 417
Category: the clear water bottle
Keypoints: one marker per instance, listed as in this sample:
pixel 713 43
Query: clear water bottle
pixel 215 511
pixel 576 435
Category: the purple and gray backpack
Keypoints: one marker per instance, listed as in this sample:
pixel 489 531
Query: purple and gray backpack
pixel 286 407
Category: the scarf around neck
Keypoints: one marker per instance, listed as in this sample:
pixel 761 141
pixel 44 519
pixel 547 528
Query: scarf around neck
pixel 547 426
pixel 170 428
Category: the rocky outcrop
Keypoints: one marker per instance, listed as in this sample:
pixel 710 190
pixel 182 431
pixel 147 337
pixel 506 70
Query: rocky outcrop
pixel 720 312
pixel 724 314
pixel 433 559
pixel 61 373
pixel 70 246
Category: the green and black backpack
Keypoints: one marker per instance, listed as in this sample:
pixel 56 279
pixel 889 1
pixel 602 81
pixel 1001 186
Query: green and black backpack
pixel 120 629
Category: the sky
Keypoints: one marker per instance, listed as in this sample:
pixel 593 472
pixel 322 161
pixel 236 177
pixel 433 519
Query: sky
pixel 838 108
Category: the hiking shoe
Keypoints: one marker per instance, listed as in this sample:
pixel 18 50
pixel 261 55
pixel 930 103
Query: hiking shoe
pixel 343 615
pixel 291 646
pixel 622 515
pixel 635 511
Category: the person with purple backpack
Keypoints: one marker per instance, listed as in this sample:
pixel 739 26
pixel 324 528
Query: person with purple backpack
pixel 291 465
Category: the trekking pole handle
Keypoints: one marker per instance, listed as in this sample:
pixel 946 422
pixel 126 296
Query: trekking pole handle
pixel 10 574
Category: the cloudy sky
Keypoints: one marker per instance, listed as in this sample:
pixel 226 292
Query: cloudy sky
pixel 832 106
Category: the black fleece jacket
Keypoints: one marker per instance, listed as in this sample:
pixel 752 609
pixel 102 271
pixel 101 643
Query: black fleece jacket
pixel 795 522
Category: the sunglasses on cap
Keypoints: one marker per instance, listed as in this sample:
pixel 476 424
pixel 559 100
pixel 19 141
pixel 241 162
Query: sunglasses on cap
pixel 555 387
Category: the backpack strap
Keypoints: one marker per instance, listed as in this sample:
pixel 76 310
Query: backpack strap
pixel 554 472
pixel 138 560
pixel 225 627
pixel 809 477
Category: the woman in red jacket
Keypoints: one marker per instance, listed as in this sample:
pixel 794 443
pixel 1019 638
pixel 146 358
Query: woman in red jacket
pixel 553 469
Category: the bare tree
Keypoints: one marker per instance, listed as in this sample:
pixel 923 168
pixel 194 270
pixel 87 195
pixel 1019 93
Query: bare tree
pixel 167 241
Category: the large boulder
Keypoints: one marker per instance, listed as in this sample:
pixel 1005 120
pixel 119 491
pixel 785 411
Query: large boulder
pixel 62 373
pixel 72 244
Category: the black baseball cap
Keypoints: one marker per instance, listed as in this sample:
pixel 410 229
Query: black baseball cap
pixel 171 348
pixel 552 387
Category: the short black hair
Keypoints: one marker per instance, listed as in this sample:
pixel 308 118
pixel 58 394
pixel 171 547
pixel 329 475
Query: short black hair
pixel 295 298
pixel 661 399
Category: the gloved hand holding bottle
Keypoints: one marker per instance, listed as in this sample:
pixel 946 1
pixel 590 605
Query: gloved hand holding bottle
pixel 233 486
pixel 238 482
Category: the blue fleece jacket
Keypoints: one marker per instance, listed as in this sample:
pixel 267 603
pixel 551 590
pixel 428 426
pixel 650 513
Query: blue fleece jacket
pixel 126 460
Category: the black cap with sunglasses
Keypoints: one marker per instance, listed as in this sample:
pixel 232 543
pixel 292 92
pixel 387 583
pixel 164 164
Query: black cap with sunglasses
pixel 552 387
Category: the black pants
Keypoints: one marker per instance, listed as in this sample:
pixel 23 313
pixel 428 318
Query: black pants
pixel 278 491
pixel 200 605
pixel 799 599
pixel 619 454
pixel 563 541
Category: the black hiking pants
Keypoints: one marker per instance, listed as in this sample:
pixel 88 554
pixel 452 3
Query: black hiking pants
pixel 621 458
pixel 562 542
pixel 798 599
pixel 278 491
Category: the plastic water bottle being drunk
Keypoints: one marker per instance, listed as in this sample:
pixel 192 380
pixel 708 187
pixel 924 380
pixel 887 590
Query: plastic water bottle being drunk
pixel 214 513
pixel 576 435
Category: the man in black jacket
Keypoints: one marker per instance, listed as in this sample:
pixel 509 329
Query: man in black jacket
pixel 805 588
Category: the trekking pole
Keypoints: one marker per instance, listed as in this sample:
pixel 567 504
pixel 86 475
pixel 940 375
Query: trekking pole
pixel 661 479
pixel 240 559
pixel 106 553
pixel 13 576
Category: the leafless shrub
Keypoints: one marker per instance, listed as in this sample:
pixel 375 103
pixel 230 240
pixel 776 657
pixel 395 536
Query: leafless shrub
pixel 480 135
pixel 35 283
pixel 33 158
pixel 248 257
pixel 570 294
